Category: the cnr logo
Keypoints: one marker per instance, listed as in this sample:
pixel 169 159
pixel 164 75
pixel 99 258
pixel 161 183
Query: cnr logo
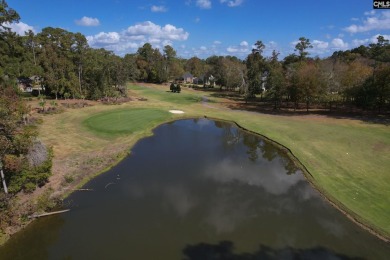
pixel 381 4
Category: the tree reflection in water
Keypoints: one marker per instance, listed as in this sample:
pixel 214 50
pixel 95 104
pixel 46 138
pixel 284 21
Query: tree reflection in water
pixel 257 147
pixel 225 251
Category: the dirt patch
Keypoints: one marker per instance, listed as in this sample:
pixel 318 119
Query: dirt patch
pixel 381 147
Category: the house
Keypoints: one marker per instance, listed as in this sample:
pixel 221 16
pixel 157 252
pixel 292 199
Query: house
pixel 210 80
pixel 199 80
pixel 36 80
pixel 24 84
pixel 33 83
pixel 264 78
pixel 188 78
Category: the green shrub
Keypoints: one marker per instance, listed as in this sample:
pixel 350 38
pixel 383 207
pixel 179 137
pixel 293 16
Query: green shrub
pixel 29 187
pixel 28 178
pixel 45 202
pixel 68 179
pixel 175 88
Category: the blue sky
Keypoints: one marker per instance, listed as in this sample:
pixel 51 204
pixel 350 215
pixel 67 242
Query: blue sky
pixel 210 27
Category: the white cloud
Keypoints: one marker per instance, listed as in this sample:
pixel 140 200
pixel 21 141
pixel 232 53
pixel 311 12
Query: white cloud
pixel 154 31
pixel 203 51
pixel 204 4
pixel 319 47
pixel 320 44
pixel 270 47
pixel 103 38
pixel 294 43
pixel 19 28
pixel 232 3
pixel 226 171
pixel 373 39
pixel 244 44
pixel 358 42
pixel 372 12
pixel 374 21
pixel 167 42
pixel 216 45
pixel 136 35
pixel 339 44
pixel 158 9
pixel 239 50
pixel 88 21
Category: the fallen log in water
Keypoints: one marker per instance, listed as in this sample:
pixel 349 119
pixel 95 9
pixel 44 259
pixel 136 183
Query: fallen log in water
pixel 78 189
pixel 48 214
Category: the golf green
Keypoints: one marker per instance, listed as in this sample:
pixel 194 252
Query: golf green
pixel 125 121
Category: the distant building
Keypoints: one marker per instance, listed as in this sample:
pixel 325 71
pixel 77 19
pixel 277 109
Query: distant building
pixel 188 78
pixel 24 84
pixel 30 84
pixel 264 78
pixel 210 80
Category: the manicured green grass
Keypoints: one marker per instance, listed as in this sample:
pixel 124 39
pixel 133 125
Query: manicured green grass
pixel 348 160
pixel 167 96
pixel 127 121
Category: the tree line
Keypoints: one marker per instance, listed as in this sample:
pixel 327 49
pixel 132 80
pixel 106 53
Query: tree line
pixel 354 78
pixel 25 163
pixel 69 68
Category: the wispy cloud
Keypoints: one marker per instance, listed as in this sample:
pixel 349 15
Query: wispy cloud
pixel 88 21
pixel 239 50
pixel 203 4
pixel 158 9
pixel 232 3
pixel 374 21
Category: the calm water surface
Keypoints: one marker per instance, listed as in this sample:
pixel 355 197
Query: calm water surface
pixel 197 189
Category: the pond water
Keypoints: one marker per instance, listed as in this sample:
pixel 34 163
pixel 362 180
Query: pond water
pixel 197 189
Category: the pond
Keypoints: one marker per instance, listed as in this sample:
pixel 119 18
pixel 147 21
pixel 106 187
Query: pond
pixel 197 189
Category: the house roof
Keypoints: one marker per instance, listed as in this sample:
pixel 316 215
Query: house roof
pixel 187 75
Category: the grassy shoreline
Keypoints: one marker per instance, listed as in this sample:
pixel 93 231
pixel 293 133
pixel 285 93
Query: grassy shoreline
pixel 322 145
pixel 310 178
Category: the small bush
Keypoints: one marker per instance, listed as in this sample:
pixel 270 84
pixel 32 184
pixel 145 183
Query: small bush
pixel 45 202
pixel 68 179
pixel 29 187
pixel 175 88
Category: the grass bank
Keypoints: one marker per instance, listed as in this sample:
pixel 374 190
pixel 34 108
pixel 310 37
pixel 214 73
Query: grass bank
pixel 348 159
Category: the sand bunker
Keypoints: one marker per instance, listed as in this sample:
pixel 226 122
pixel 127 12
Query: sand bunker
pixel 176 111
